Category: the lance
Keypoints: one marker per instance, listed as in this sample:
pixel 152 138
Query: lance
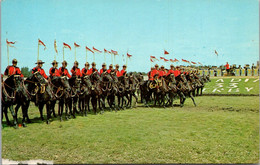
pixel 104 56
pixel 112 59
pixel 86 54
pixel 38 50
pixel 126 60
pixel 8 54
pixel 63 53
pixel 75 52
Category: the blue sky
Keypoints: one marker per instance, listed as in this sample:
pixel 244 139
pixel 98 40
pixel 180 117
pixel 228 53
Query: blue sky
pixel 188 29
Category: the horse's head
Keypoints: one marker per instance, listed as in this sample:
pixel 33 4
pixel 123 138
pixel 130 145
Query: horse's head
pixel 183 78
pixel 105 76
pixel 14 81
pixel 114 77
pixel 65 82
pixel 86 80
pixel 95 76
pixel 171 78
pixel 126 82
pixel 38 78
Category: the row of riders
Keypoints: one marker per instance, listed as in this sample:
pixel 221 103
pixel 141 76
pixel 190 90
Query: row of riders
pixel 75 92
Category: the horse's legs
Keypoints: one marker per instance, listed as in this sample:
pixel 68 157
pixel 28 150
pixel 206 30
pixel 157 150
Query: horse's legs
pixel 74 102
pixel 24 115
pixel 101 102
pixel 182 98
pixel 201 91
pixel 190 94
pixel 48 111
pixel 93 105
pixel 41 105
pixel 26 107
pixel 52 108
pixel 87 103
pixel 5 108
pixel 136 99
pixel 13 114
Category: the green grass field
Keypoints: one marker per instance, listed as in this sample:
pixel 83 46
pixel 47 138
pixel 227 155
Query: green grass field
pixel 233 85
pixel 219 130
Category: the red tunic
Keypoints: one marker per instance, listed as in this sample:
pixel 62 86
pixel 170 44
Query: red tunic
pixel 85 72
pixel 109 71
pixel 118 73
pixel 92 70
pixel 76 72
pixel 101 71
pixel 65 72
pixel 227 66
pixel 122 72
pixel 10 70
pixel 40 70
pixel 56 72
pixel 176 73
pixel 162 73
pixel 170 72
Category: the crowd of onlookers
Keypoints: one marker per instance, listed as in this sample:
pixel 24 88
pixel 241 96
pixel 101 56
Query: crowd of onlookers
pixel 234 70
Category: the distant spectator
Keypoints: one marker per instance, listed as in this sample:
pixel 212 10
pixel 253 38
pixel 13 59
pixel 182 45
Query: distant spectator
pixel 245 70
pixel 240 70
pixel 227 67
pixel 253 69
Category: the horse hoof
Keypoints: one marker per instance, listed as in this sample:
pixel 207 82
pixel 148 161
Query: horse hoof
pixel 16 126
pixel 66 118
pixel 61 120
pixel 24 125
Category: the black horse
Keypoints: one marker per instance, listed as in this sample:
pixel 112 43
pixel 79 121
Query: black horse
pixel 96 92
pixel 60 87
pixel 123 87
pixel 9 96
pixel 185 89
pixel 113 91
pixel 84 95
pixel 72 99
pixel 106 86
pixel 133 83
pixel 172 89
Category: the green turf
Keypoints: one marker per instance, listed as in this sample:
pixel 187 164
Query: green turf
pixel 240 85
pixel 218 130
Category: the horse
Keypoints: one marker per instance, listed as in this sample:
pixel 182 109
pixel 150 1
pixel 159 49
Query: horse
pixel 133 82
pixel 160 92
pixel 141 82
pixel 84 95
pixel 184 89
pixel 106 86
pixel 123 87
pixel 96 91
pixel 74 83
pixel 112 91
pixel 60 86
pixel 9 91
pixel 172 88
